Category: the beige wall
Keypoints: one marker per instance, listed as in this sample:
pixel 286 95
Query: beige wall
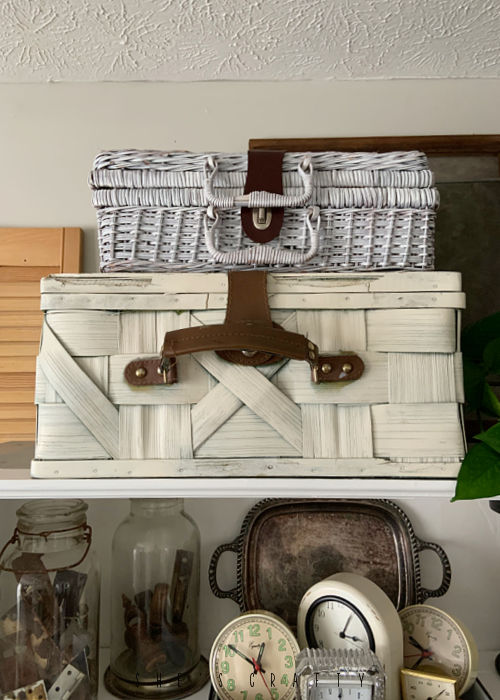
pixel 50 133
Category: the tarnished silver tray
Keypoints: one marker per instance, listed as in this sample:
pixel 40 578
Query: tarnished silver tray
pixel 287 545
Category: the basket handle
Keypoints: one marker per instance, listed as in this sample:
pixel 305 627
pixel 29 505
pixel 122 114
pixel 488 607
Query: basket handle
pixel 212 572
pixel 262 254
pixel 248 336
pixel 425 593
pixel 259 199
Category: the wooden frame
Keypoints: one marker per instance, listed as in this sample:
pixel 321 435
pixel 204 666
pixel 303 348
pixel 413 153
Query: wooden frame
pixel 483 144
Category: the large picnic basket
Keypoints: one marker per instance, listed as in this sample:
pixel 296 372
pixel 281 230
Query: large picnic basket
pixel 327 211
pixel 157 375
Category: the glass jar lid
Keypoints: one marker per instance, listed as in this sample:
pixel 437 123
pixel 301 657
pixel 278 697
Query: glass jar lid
pixel 49 515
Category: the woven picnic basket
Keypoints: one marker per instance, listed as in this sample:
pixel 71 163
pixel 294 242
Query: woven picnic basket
pixel 171 211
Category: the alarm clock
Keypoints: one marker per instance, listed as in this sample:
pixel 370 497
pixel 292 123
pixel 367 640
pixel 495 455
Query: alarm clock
pixel 328 674
pixel 254 656
pixel 436 641
pixel 348 611
pixel 417 685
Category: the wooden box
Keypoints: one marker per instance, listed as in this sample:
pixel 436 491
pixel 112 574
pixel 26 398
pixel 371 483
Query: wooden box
pixel 402 418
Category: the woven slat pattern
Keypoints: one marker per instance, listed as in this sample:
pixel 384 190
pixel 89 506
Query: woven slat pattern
pixel 401 418
pixel 350 239
pixel 377 212
pixel 328 160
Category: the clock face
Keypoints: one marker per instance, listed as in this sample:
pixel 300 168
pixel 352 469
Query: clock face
pixel 341 690
pixel 434 641
pixel 335 623
pixel 421 686
pixel 253 658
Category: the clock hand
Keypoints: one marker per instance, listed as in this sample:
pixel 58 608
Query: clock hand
pixel 424 656
pixel 416 644
pixel 436 696
pixel 250 661
pixel 354 638
pixel 259 670
pixel 343 634
pixel 261 651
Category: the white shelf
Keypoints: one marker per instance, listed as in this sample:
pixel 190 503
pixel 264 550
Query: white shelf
pixel 17 483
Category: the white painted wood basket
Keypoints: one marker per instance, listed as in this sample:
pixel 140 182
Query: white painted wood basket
pixel 160 211
pixel 401 418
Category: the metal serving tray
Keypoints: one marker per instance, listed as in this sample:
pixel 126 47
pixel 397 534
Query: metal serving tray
pixel 287 545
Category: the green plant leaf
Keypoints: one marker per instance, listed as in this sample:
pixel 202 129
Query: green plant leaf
pixel 479 475
pixel 490 404
pixel 474 384
pixel 491 357
pixel 476 337
pixel 491 437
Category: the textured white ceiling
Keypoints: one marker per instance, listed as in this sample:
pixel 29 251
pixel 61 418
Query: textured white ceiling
pixel 95 40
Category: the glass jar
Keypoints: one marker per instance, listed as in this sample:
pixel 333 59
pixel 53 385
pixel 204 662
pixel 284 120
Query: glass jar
pixel 155 582
pixel 49 603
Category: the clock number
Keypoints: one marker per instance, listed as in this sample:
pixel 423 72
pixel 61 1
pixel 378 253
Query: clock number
pixel 228 651
pixel 231 685
pixel 254 630
pixel 288 661
pixel 238 636
pixel 259 696
pixel 456 670
pixel 281 644
pixel 244 693
pixel 284 680
pixel 420 620
pixel 274 694
pixel 457 651
pixel 225 667
pixel 449 633
pixel 437 623
pixel 321 613
pixel 408 627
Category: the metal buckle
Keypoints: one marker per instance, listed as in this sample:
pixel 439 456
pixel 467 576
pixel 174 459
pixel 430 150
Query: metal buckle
pixel 261 218
pixel 163 368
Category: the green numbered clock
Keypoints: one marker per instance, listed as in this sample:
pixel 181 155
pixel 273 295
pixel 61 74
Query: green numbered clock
pixel 253 658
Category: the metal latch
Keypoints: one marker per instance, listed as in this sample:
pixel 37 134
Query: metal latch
pixel 261 218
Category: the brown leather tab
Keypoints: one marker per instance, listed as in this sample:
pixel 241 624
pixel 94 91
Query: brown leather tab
pixel 264 174
pixel 247 297
pixel 247 302
pixel 338 368
pixel 148 372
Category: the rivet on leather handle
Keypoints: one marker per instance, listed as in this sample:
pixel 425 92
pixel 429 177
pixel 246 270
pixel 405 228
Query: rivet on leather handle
pixel 337 368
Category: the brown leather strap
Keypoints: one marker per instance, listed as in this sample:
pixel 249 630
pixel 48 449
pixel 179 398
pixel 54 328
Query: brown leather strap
pixel 264 173
pixel 237 336
pixel 247 302
pixel 248 336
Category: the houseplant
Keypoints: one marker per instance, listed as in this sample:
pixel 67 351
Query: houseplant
pixel 479 475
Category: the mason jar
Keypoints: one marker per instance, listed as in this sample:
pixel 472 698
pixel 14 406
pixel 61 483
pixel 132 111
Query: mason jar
pixel 49 603
pixel 155 582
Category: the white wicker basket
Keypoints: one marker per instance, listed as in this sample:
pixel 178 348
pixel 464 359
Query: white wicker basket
pixel 344 211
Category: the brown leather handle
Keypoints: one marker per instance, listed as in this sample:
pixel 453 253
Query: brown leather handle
pixel 248 336
pixel 245 337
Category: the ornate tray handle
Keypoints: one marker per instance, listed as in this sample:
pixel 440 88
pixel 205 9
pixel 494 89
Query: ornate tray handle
pixel 424 593
pixel 233 593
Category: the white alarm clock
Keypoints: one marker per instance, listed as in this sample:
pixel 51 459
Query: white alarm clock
pixel 348 611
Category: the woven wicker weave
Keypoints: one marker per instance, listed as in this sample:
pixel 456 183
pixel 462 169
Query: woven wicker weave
pixel 376 210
